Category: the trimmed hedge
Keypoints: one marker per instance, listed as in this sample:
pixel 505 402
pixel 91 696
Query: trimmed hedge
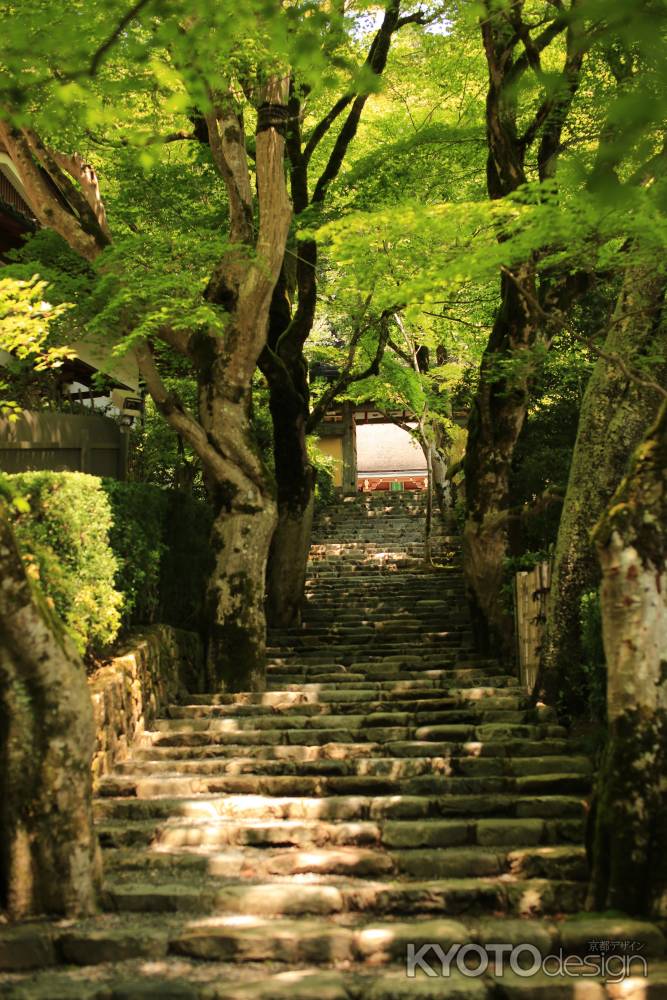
pixel 64 537
pixel 110 555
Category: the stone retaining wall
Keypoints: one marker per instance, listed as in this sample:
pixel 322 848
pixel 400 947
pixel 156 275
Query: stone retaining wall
pixel 155 666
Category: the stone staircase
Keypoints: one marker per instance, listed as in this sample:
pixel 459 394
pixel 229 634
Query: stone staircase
pixel 390 790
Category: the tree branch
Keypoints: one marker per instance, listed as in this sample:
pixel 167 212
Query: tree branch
pixel 376 60
pixel 176 415
pixel 555 317
pixel 44 199
pixel 227 142
pixel 348 377
pixel 537 46
pixel 127 18
pixel 325 124
pixel 178 340
pixel 82 172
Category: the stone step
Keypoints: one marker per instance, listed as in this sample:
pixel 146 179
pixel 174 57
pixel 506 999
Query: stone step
pixel 395 667
pixel 494 895
pixel 384 594
pixel 423 580
pixel 396 546
pixel 313 695
pixel 198 835
pixel 368 704
pixel 216 731
pixel 342 678
pixel 564 862
pixel 445 618
pixel 388 769
pixel 322 717
pixel 448 647
pixel 344 808
pixel 176 977
pixel 345 613
pixel 205 746
pixel 391 633
pixel 349 677
pixel 360 943
pixel 346 659
pixel 377 642
pixel 417 577
pixel 393 590
pixel 167 785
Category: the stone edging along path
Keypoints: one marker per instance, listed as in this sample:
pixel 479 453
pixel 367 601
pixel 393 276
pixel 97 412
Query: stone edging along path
pixel 153 667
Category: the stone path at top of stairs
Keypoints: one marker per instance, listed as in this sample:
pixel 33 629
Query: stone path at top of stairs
pixel 390 789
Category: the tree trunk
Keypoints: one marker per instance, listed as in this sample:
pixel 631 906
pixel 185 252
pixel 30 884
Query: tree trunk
pixel 496 419
pixel 295 476
pixel 245 520
pixel 288 562
pixel 614 416
pixel 630 840
pixel 49 861
pixel 501 401
pixel 240 541
pixel 295 482
pixel 440 481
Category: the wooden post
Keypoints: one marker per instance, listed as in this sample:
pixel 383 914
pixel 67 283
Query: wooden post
pixel 531 590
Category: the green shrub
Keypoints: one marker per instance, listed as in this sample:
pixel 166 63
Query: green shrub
pixel 65 540
pixel 137 539
pixel 187 560
pixel 109 555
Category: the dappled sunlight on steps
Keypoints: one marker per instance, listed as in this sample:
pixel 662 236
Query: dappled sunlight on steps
pixel 391 789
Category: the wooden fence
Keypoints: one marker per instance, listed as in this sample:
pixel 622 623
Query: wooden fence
pixel 530 604
pixel 63 442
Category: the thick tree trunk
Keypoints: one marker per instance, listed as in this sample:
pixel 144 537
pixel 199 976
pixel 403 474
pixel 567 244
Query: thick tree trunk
pixel 288 561
pixel 295 482
pixel 240 541
pixel 245 520
pixel 614 416
pixel 630 840
pixel 496 419
pixel 500 405
pixel 49 857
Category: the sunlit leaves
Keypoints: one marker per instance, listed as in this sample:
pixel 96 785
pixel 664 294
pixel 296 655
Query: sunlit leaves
pixel 154 281
pixel 26 317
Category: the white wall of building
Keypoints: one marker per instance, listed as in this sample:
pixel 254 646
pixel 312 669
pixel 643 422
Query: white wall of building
pixel 387 448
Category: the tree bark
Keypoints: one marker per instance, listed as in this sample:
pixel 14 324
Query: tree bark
pixel 630 840
pixel 441 486
pixel 496 420
pixel 289 398
pixel 614 416
pixel 49 860
pixel 499 409
pixel 240 542
pixel 288 562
